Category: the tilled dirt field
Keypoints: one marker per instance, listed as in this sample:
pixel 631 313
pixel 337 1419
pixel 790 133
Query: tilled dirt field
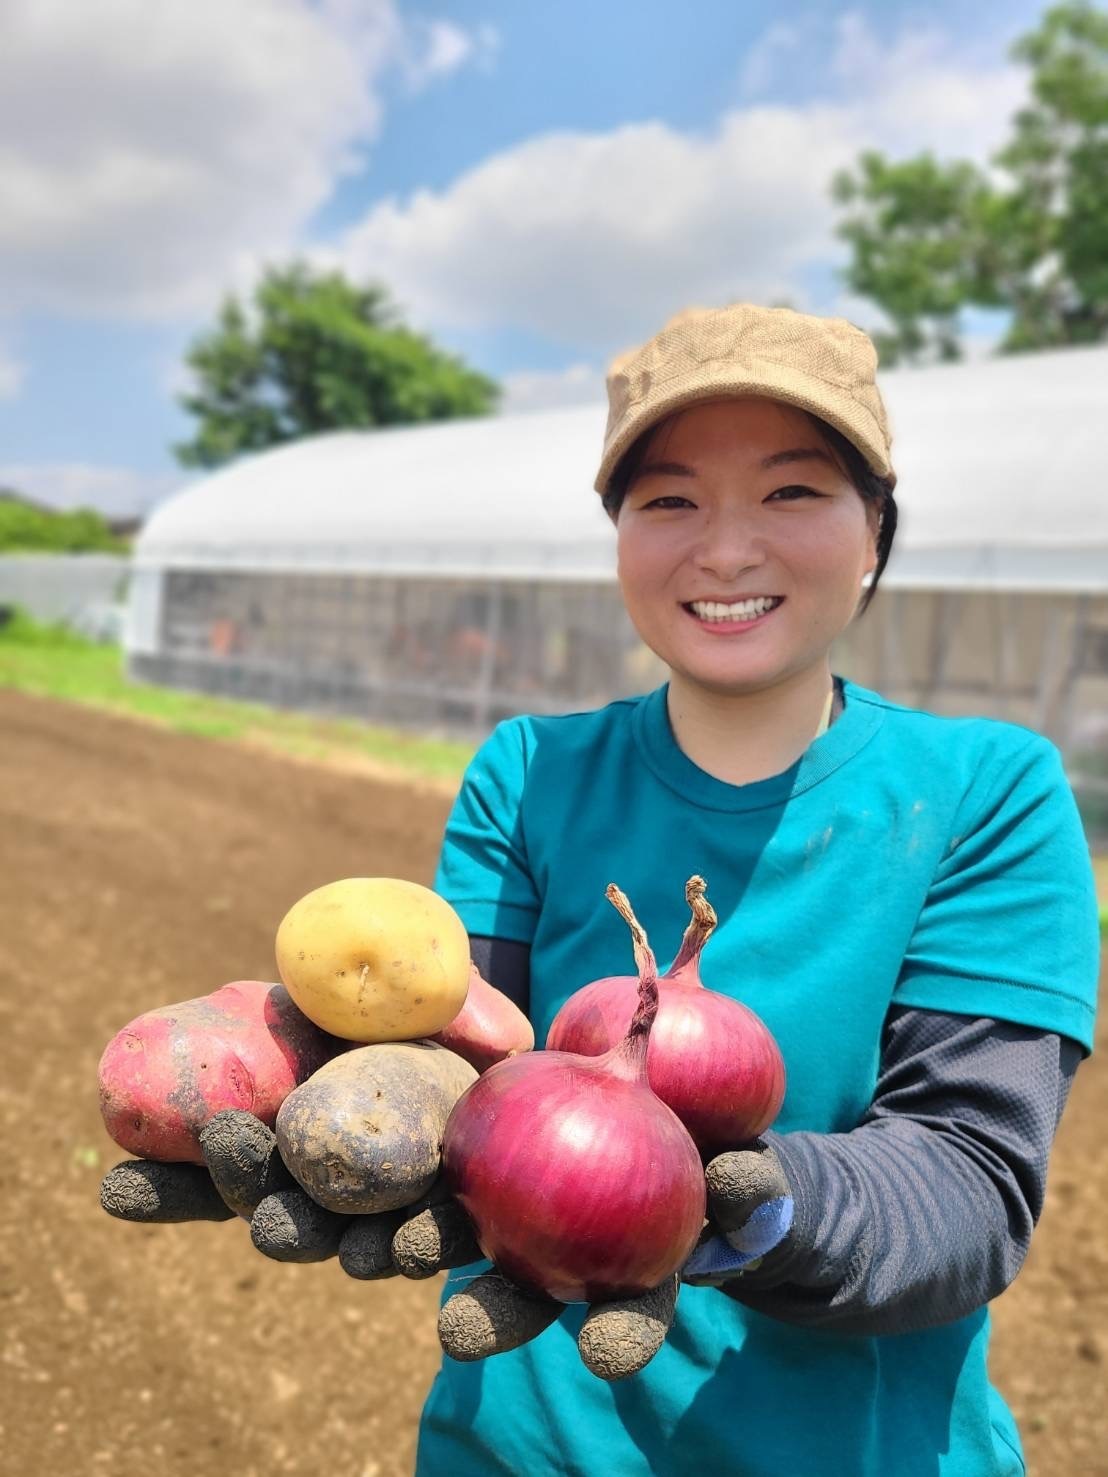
pixel 140 868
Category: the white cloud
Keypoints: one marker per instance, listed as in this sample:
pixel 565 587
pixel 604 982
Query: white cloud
pixel 543 389
pixel 760 64
pixel 593 239
pixel 115 491
pixel 923 92
pixel 439 47
pixel 583 238
pixel 12 375
pixel 151 146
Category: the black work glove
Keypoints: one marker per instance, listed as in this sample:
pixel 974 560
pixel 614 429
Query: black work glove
pixel 491 1315
pixel 244 1175
pixel 750 1213
pixel 750 1208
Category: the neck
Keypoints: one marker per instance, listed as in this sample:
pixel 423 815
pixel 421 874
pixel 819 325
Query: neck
pixel 742 738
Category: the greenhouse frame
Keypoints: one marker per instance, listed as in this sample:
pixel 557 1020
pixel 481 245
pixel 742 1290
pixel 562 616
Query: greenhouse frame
pixel 444 577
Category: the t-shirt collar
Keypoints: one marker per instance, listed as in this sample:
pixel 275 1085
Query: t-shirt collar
pixel 860 719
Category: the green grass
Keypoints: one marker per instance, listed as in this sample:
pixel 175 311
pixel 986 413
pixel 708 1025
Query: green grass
pixel 50 661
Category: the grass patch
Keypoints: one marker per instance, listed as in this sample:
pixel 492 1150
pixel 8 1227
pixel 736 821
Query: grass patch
pixel 50 661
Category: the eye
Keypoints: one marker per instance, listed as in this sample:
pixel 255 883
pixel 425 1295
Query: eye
pixel 669 498
pixel 791 494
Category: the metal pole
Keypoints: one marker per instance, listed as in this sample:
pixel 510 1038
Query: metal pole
pixel 488 660
pixel 1073 671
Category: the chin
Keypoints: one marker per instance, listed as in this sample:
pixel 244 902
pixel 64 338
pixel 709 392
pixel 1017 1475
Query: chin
pixel 729 682
pixel 734 675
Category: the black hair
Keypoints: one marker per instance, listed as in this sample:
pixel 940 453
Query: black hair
pixel 874 490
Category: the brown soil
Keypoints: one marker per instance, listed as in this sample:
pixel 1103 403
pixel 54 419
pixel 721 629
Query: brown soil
pixel 141 867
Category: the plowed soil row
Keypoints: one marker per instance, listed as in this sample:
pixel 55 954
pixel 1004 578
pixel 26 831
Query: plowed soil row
pixel 141 867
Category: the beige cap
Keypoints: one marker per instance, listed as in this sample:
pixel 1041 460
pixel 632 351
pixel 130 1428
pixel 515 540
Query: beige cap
pixel 824 365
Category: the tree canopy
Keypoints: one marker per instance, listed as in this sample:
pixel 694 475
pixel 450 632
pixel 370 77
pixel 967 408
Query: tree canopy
pixel 27 529
pixel 1031 236
pixel 316 352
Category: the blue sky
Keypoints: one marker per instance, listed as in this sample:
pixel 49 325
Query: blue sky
pixel 539 185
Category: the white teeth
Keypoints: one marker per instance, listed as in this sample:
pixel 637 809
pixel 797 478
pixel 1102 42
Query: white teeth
pixel 742 610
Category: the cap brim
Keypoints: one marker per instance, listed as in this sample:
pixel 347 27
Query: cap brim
pixel 804 392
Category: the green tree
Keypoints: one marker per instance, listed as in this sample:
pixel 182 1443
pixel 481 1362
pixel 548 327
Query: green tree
pixel 930 239
pixel 915 235
pixel 316 352
pixel 1057 158
pixel 30 530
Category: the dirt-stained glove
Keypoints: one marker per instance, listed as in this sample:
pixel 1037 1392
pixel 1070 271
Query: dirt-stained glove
pixel 491 1315
pixel 244 1175
pixel 151 1192
pixel 750 1212
pixel 750 1209
pixel 242 1168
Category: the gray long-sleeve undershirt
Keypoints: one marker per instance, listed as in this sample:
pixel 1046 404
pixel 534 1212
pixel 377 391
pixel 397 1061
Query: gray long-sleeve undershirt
pixel 924 1211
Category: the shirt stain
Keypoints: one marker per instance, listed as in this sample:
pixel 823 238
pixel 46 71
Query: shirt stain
pixel 816 846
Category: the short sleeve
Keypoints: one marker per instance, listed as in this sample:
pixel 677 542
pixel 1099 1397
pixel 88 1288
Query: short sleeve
pixel 1009 927
pixel 483 870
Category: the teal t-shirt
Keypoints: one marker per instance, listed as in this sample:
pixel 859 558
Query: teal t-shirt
pixel 904 859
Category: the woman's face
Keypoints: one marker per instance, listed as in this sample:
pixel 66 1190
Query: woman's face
pixel 739 500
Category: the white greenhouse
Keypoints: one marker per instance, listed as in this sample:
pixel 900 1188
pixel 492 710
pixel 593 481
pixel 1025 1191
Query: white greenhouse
pixel 445 576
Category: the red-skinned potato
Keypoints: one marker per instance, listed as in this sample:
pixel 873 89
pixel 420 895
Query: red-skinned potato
pixel 166 1073
pixel 489 1026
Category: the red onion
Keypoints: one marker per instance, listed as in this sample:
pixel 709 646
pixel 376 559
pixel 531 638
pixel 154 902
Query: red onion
pixel 710 1058
pixel 579 1181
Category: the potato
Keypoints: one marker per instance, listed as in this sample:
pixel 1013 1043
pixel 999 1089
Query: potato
pixel 489 1026
pixel 167 1072
pixel 375 959
pixel 364 1134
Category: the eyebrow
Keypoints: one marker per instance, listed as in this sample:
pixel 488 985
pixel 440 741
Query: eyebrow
pixel 778 459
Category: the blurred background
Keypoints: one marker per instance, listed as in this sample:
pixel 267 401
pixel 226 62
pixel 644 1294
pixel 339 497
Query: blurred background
pixel 305 307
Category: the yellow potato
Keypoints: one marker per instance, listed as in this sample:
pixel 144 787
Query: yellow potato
pixel 375 959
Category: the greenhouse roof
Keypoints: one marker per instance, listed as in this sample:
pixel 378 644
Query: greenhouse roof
pixel 1002 465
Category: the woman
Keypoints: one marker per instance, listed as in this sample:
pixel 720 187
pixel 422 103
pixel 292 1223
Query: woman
pixel 905 899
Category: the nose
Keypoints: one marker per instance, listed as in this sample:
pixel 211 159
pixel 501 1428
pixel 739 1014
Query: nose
pixel 730 545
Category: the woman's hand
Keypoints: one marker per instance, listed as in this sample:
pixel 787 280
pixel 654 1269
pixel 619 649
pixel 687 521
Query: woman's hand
pixel 750 1213
pixel 493 1316
pixel 243 1175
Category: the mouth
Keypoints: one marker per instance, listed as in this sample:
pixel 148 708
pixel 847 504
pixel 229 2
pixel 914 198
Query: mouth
pixel 735 615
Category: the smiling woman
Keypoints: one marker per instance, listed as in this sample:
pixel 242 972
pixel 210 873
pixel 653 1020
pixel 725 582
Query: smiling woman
pixel 904 899
pixel 740 576
pixel 827 445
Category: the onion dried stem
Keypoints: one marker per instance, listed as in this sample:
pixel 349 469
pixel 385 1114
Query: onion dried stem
pixel 697 934
pixel 632 1049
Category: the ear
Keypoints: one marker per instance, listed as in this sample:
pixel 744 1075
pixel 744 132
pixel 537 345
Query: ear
pixel 873 530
